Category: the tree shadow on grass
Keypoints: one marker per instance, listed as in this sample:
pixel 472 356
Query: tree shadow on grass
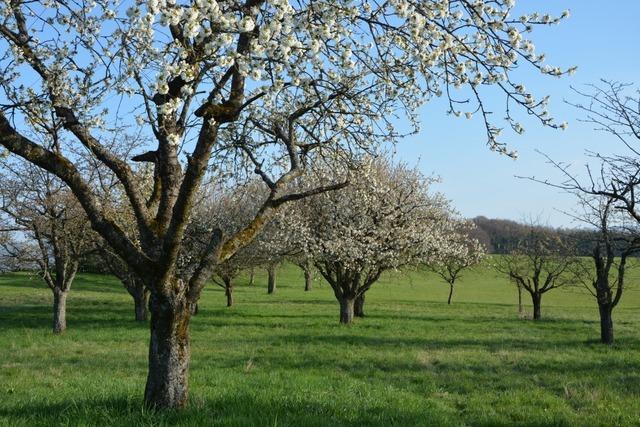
pixel 495 343
pixel 84 282
pixel 81 318
pixel 236 409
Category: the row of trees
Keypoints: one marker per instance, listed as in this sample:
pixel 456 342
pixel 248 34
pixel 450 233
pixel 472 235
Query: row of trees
pixel 543 260
pixel 387 218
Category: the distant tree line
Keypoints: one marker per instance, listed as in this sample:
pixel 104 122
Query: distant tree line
pixel 502 236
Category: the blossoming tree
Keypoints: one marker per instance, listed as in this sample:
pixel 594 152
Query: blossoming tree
pixel 385 219
pixel 461 252
pixel 262 83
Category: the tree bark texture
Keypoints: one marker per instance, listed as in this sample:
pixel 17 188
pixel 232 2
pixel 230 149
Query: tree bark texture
pixel 59 311
pixel 346 310
pixel 606 324
pixel 169 354
pixel 140 302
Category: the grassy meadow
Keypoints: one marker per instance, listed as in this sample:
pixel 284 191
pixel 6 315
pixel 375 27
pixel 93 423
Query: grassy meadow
pixel 283 359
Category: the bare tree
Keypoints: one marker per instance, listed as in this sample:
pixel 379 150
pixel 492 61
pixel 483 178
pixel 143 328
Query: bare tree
pixel 39 207
pixel 612 188
pixel 613 108
pixel 616 241
pixel 541 262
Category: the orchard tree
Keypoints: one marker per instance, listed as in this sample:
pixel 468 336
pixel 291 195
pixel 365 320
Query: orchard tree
pixel 229 209
pixel 306 265
pixel 385 219
pixel 609 189
pixel 54 233
pixel 133 284
pixel 460 253
pixel 268 86
pixel 271 248
pixel 617 240
pixel 541 262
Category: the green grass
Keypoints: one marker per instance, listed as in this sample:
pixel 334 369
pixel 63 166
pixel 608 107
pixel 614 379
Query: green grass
pixel 283 359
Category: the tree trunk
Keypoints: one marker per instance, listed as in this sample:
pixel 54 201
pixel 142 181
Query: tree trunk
pixel 271 285
pixel 308 278
pixel 59 311
pixel 141 300
pixel 228 291
pixel 136 288
pixel 358 306
pixel 536 299
pixel 194 309
pixel 252 274
pixel 520 307
pixel 450 293
pixel 169 354
pixel 606 324
pixel 346 310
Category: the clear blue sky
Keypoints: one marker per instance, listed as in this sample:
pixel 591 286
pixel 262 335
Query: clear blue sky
pixel 603 39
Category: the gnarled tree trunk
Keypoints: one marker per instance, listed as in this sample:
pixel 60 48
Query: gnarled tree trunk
pixel 169 353
pixel 358 306
pixel 271 284
pixel 59 311
pixel 346 310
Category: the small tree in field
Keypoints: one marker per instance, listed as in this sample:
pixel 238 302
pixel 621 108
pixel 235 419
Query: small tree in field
pixel 39 207
pixel 385 219
pixel 617 240
pixel 461 252
pixel 541 262
pixel 273 87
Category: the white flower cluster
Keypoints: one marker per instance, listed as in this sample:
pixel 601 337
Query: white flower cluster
pixel 348 68
pixel 385 219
